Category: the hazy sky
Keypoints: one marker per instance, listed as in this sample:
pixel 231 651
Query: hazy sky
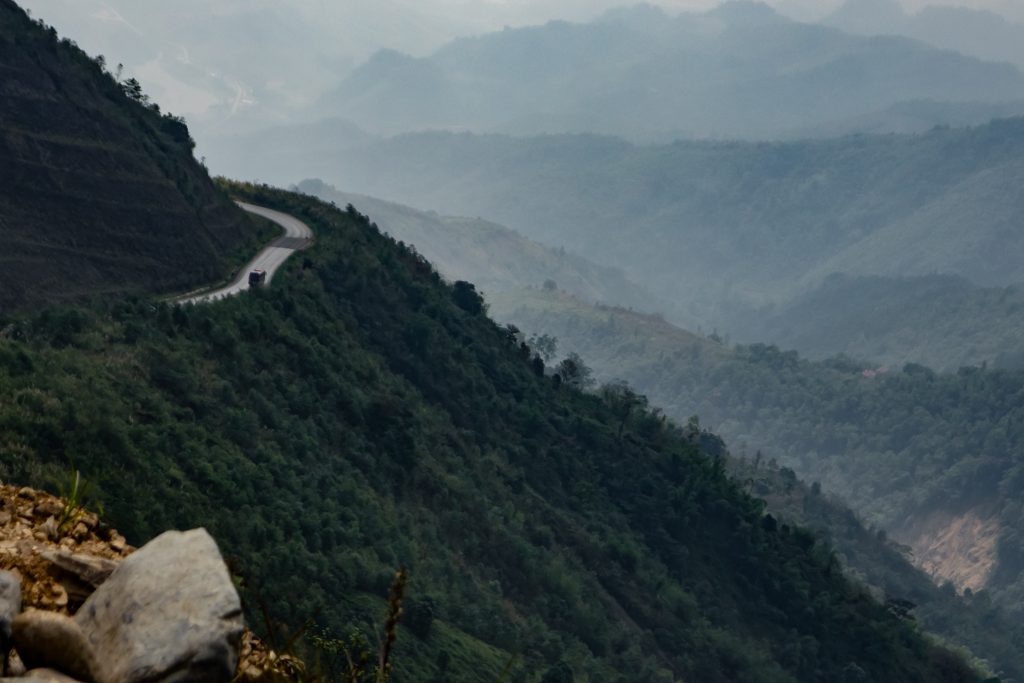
pixel 413 24
pixel 210 59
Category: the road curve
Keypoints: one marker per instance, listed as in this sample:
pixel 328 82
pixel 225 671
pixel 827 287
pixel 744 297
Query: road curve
pixel 297 236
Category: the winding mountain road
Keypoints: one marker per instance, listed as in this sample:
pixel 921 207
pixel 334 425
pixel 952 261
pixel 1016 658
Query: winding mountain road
pixel 297 236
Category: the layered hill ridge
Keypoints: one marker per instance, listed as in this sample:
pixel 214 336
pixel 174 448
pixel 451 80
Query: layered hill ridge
pixel 943 322
pixel 740 70
pixel 967 30
pixel 99 193
pixel 728 228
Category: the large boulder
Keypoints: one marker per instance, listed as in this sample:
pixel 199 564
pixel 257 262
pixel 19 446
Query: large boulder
pixel 168 614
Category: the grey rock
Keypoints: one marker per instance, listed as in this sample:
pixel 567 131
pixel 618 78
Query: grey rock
pixel 168 614
pixel 50 675
pixel 54 641
pixel 89 568
pixel 50 529
pixel 10 606
pixel 49 508
pixel 15 667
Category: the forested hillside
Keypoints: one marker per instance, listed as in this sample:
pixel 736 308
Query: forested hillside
pixel 885 565
pixel 739 70
pixel 943 322
pixel 491 256
pixel 99 191
pixel 727 228
pixel 362 414
pixel 933 458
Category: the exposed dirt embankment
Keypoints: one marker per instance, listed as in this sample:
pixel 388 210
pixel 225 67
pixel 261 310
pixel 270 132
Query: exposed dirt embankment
pixel 959 548
pixel 99 193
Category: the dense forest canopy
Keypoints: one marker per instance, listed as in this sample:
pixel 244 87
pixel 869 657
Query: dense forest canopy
pixel 899 444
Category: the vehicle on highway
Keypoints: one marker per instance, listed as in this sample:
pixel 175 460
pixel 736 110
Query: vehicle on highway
pixel 257 278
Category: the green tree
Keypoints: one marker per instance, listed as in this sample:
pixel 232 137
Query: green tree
pixel 559 673
pixel 545 345
pixel 467 298
pixel 575 373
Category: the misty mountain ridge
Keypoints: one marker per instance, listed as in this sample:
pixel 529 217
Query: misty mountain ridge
pixel 739 70
pixel 941 321
pixel 494 258
pixel 190 67
pixel 976 32
pixel 910 117
pixel 726 228
pixel 870 17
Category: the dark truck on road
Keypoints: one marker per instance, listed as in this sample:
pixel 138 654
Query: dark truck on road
pixel 257 278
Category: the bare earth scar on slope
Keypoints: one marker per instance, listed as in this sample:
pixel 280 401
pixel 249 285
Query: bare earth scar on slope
pixel 960 549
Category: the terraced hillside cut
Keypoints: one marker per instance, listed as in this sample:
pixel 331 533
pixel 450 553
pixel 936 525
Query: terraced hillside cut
pixel 99 192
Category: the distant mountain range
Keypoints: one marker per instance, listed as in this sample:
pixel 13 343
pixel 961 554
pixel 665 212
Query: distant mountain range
pixel 725 229
pixel 943 322
pixel 740 70
pixel 979 33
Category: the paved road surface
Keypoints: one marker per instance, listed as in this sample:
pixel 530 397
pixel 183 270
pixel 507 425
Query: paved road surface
pixel 297 235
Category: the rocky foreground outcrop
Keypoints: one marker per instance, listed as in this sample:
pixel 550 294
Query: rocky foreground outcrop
pixel 77 603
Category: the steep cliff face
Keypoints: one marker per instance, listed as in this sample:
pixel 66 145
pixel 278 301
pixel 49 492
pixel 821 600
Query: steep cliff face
pixel 99 192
